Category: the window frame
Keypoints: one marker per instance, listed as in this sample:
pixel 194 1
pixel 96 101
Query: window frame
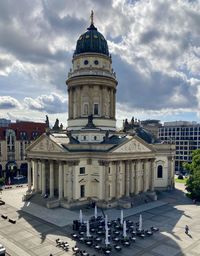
pixel 82 170
pixel 160 171
pixel 94 109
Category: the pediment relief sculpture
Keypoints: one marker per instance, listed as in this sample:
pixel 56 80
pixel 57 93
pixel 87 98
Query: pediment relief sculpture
pixel 132 146
pixel 46 145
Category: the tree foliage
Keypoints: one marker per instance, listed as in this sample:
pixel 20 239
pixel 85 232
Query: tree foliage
pixel 193 182
pixel 2 181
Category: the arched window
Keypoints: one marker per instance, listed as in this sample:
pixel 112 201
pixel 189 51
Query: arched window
pixel 159 171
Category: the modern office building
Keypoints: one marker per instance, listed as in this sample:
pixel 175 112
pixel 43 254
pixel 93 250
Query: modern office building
pixel 185 135
pixel 92 160
pixel 14 139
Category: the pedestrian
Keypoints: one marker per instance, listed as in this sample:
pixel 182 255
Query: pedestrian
pixel 186 229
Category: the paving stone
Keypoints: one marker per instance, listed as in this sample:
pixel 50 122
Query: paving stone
pixel 166 250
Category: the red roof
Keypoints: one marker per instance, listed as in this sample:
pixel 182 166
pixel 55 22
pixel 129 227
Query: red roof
pixel 24 130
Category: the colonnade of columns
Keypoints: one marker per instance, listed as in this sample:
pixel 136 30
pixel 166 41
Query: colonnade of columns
pixel 75 95
pixel 126 178
pixel 117 178
pixel 42 176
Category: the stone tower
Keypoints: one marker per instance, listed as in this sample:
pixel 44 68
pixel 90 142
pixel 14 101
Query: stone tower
pixel 91 83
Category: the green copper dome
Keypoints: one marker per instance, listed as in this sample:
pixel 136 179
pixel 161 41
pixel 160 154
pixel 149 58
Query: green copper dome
pixel 92 41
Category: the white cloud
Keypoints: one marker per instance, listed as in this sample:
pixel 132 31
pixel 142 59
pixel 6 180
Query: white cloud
pixel 7 102
pixel 52 103
pixel 155 48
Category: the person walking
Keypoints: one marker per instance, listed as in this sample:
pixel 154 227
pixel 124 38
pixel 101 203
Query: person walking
pixel 186 229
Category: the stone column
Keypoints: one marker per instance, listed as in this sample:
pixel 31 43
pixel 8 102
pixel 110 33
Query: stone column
pixel 60 181
pixel 78 102
pixel 103 101
pixel 137 176
pixel 111 103
pixel 141 180
pixel 123 179
pixel 51 179
pixel 69 183
pixel 43 178
pixel 113 179
pixel 104 180
pixel 127 178
pixel 39 175
pixel 106 167
pixel 116 179
pixel 120 178
pixel 132 174
pixel 69 100
pixel 35 175
pixel 152 174
pixel 74 189
pixel 65 180
pixel 144 176
pixel 170 172
pixel 114 104
pixel 29 175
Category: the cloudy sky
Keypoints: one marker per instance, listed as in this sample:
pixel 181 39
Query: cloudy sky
pixel 155 47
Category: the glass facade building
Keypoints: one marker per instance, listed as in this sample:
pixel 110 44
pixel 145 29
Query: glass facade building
pixel 185 135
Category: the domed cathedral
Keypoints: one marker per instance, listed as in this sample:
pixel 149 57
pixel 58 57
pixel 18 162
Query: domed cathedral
pixel 91 83
pixel 90 160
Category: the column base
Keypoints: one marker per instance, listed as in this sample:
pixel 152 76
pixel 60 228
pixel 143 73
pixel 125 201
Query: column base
pixel 53 203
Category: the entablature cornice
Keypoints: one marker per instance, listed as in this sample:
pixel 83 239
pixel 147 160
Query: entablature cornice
pixel 93 80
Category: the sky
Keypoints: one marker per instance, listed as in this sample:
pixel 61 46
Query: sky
pixel 155 48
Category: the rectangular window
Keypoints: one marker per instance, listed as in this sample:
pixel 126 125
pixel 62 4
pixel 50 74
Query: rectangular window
pixel 82 190
pixel 82 170
pixel 96 109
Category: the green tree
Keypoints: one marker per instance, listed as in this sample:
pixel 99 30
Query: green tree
pixel 2 181
pixel 193 182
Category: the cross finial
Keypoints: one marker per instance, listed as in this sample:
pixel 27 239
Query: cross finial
pixel 92 17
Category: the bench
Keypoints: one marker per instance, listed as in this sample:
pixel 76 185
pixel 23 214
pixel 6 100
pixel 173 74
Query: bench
pixel 4 216
pixel 2 202
pixel 12 221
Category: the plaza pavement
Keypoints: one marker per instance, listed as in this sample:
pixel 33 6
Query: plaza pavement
pixel 53 215
pixel 37 228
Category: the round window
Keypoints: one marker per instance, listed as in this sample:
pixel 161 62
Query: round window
pixel 96 62
pixel 86 62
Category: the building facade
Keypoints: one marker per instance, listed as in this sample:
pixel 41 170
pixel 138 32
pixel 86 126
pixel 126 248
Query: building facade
pixel 14 138
pixel 186 137
pixel 91 160
pixel 4 122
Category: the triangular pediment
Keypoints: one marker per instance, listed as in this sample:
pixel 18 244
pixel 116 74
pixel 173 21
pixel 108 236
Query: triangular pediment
pixel 45 144
pixel 133 145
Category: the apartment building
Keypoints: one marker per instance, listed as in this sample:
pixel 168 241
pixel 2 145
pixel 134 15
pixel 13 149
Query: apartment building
pixel 14 139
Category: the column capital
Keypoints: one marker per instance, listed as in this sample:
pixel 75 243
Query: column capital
pixel 73 162
pixel 104 163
